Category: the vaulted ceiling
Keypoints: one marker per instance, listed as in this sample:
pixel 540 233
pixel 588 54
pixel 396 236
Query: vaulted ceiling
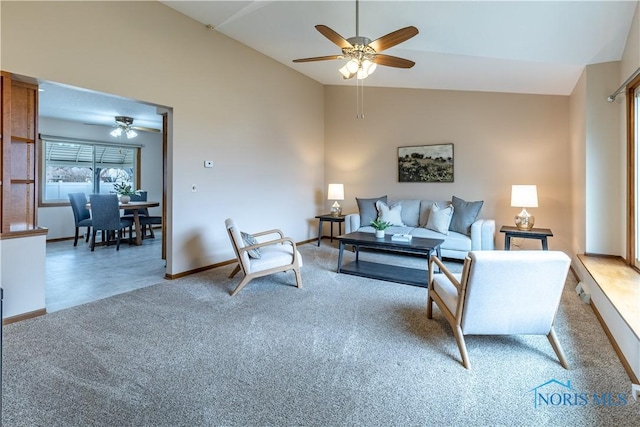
pixel 537 47
pixel 500 46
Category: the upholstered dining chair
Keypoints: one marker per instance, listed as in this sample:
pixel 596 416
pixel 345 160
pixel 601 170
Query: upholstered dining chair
pixel 501 293
pixel 259 257
pixel 105 213
pixel 145 219
pixel 81 215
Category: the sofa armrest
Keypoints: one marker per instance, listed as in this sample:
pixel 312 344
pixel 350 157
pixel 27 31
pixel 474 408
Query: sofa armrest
pixel 351 223
pixel 483 235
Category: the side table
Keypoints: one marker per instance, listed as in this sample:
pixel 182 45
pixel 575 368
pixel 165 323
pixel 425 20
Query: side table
pixel 328 217
pixel 534 233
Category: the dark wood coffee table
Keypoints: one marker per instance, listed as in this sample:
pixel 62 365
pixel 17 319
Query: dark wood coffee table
pixel 388 272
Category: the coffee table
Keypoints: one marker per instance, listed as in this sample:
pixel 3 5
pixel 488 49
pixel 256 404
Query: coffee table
pixel 388 272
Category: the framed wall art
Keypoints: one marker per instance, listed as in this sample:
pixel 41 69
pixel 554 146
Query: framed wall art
pixel 425 163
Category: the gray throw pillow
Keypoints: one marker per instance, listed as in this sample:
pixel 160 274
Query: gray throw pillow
pixel 249 240
pixel 464 214
pixel 368 210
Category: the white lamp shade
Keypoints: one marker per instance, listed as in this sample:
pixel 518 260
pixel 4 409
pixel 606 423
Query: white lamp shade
pixel 524 196
pixel 336 192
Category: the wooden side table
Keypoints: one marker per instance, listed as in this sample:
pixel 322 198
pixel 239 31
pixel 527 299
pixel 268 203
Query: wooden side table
pixel 328 217
pixel 534 233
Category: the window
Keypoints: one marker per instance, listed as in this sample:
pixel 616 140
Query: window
pixel 633 167
pixel 73 166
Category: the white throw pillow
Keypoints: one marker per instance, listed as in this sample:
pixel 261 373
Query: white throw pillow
pixel 392 214
pixel 440 218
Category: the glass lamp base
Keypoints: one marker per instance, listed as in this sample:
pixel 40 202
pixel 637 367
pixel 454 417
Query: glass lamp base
pixel 336 210
pixel 525 222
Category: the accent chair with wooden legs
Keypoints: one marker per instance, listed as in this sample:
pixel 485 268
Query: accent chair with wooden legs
pixel 259 257
pixel 501 293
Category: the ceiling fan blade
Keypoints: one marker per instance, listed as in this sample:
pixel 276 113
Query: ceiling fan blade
pixel 334 37
pixel 393 61
pixel 144 129
pixel 319 58
pixel 392 39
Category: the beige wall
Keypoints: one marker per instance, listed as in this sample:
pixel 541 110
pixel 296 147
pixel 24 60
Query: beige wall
pixel 260 122
pixel 578 132
pixel 604 174
pixel 499 140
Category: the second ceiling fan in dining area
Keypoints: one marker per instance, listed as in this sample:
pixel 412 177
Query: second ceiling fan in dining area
pixel 363 54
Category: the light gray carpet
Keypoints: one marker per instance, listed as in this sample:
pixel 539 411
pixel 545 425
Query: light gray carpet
pixel 341 351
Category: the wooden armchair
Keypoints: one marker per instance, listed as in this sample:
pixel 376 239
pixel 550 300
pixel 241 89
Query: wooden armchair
pixel 501 293
pixel 275 255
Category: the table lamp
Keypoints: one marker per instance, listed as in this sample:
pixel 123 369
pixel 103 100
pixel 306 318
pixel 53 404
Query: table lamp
pixel 524 196
pixel 336 192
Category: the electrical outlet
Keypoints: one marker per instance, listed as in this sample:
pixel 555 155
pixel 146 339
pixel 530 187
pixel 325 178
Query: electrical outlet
pixel 208 163
pixel 193 188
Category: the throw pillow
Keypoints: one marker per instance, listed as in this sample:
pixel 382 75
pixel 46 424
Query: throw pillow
pixel 464 214
pixel 392 214
pixel 249 240
pixel 440 218
pixel 368 211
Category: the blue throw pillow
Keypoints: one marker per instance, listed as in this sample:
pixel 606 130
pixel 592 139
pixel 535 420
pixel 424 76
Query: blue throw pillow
pixel 464 214
pixel 368 210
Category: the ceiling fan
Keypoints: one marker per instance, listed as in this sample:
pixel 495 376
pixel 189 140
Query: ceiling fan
pixel 124 125
pixel 364 54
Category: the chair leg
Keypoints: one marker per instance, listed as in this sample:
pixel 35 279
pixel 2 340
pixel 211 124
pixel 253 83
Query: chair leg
pixel 553 339
pixel 75 240
pixel 245 280
pixel 93 240
pixel 118 237
pixel 235 271
pixel 298 277
pixel 151 235
pixel 462 346
pixel 88 233
pixel 429 306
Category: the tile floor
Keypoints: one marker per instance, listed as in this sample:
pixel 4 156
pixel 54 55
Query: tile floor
pixel 75 275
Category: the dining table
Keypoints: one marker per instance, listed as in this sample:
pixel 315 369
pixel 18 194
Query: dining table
pixel 135 208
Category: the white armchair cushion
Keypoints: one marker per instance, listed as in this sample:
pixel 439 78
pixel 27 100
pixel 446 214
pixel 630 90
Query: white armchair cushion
pixel 447 290
pixel 273 256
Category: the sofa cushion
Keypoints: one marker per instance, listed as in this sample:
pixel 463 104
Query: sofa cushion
pixel 440 218
pixel 410 211
pixel 464 214
pixel 392 214
pixel 368 211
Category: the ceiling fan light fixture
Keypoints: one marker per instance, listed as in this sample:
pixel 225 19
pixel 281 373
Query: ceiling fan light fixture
pixel 366 69
pixel 131 133
pixel 346 74
pixel 116 132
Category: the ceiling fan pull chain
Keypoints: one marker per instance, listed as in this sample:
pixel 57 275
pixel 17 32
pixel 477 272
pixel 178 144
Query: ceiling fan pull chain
pixel 359 99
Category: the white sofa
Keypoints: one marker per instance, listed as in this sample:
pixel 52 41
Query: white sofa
pixel 415 216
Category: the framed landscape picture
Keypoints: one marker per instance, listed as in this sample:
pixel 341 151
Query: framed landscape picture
pixel 426 163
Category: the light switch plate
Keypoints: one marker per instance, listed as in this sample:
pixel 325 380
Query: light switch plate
pixel 208 163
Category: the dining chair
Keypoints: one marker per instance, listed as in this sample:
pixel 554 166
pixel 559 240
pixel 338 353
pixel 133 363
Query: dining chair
pixel 105 213
pixel 81 215
pixel 143 215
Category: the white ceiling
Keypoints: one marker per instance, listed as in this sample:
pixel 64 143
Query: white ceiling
pixel 538 47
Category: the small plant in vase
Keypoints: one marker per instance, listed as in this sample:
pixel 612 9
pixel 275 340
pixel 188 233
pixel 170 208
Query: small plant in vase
pixel 124 191
pixel 380 225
